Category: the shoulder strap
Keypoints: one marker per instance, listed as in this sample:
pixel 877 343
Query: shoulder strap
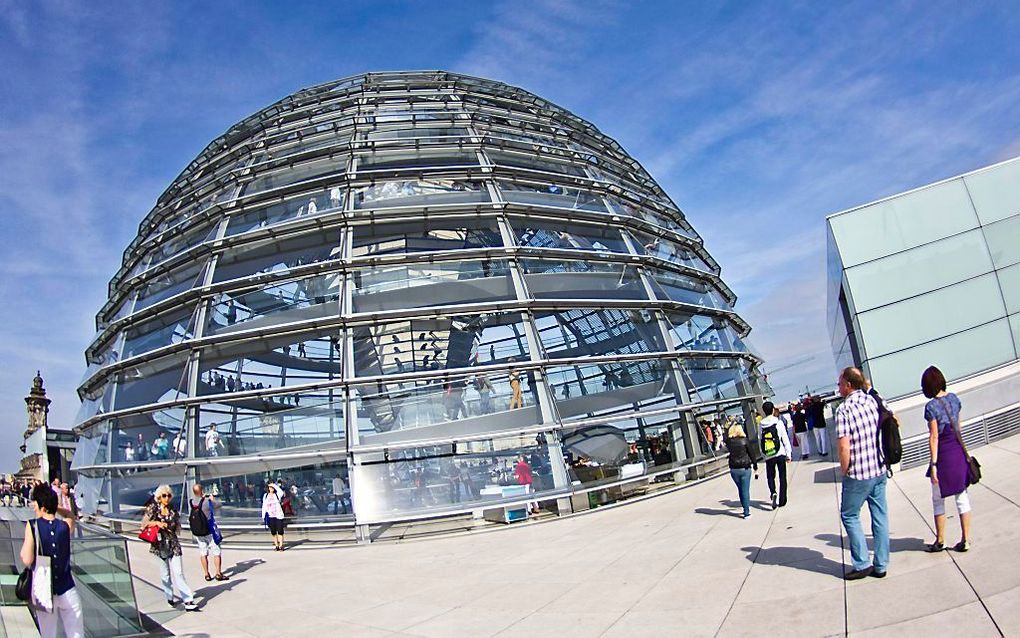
pixel 35 536
pixel 954 426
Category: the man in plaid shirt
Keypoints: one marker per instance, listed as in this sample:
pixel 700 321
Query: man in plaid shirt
pixel 863 475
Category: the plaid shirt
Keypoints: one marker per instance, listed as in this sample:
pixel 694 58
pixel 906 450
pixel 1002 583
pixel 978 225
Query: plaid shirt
pixel 857 419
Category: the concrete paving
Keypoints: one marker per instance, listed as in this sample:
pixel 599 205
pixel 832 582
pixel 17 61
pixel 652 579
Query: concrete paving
pixel 679 564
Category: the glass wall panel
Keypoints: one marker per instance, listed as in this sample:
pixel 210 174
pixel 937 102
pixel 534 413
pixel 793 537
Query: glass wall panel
pixel 164 379
pixel 264 424
pixel 1009 283
pixel 173 246
pixel 415 159
pixel 308 205
pixel 299 173
pixel 279 361
pixel 472 473
pixel 131 489
pixel 932 315
pixel 591 390
pixel 1003 239
pixel 918 270
pixel 314 491
pixel 569 279
pixel 714 379
pixel 439 344
pixel 533 163
pixel 431 284
pixel 648 214
pixel 166 329
pixel 1014 326
pixel 149 436
pixel 593 332
pixel 275 255
pixel 299 300
pixel 420 192
pixel 487 400
pixel 688 290
pixel 622 449
pixel 957 356
pixel 424 236
pixel 552 195
pixel 167 284
pixel 539 233
pixel 903 222
pixel 418 133
pixel 703 333
pixel 995 191
pixel 656 246
pixel 309 143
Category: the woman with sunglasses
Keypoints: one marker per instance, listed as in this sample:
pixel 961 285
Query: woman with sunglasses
pixel 272 514
pixel 162 514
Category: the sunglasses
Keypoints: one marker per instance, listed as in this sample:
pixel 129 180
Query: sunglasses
pixel 163 496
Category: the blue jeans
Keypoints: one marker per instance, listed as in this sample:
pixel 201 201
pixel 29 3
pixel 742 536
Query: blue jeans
pixel 742 477
pixel 855 493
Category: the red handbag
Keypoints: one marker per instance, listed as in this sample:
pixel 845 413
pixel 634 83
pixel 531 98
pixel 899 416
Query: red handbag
pixel 149 534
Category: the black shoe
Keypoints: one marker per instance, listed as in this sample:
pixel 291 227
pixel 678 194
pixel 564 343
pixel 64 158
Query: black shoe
pixel 858 574
pixel 935 547
pixel 172 603
pixel 962 546
pixel 775 502
pixel 877 574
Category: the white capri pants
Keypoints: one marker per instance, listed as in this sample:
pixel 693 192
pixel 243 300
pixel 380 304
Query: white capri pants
pixel 939 504
pixel 68 607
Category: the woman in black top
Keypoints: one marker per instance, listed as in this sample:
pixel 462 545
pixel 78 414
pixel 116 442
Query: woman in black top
pixel 743 456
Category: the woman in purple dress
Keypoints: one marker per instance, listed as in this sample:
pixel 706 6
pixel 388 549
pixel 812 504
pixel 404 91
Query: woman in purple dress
pixel 948 470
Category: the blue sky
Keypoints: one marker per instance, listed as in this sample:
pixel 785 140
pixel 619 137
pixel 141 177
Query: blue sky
pixel 758 119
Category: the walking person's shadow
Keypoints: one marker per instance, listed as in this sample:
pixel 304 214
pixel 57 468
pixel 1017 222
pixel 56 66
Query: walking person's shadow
pixel 243 566
pixel 908 544
pixel 803 558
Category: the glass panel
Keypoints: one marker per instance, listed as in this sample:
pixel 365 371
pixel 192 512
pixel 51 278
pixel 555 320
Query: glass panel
pixel 499 400
pixel 640 446
pixel 444 476
pixel 918 270
pixel 1009 283
pixel 431 284
pixel 174 246
pixel 337 139
pixel 957 356
pixel 422 192
pixel 703 333
pixel 439 344
pixel 164 379
pixel 585 391
pixel 413 237
pixel 688 290
pixel 131 489
pixel 534 163
pixel 103 580
pixel 415 159
pixel 174 327
pixel 563 279
pixel 995 191
pixel 537 233
pixel 552 195
pixel 271 362
pixel 932 315
pixel 656 246
pixel 311 490
pixel 717 378
pixel 298 173
pixel 1003 239
pixel 646 213
pixel 903 222
pixel 308 205
pixel 291 301
pixel 165 285
pixel 266 423
pixel 595 332
pixel 149 436
pixel 275 255
pixel 415 133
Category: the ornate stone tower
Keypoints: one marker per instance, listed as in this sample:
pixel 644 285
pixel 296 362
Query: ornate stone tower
pixel 37 405
pixel 33 464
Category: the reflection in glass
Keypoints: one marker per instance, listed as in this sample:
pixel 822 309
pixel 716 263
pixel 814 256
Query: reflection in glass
pixel 569 279
pixel 164 330
pixel 702 332
pixel 670 251
pixel 420 192
pixel 537 233
pixel 268 363
pixel 298 300
pixel 439 344
pixel 598 331
pixel 167 284
pixel 163 379
pixel 276 255
pixel 294 174
pixel 688 290
pixel 714 379
pixel 605 388
pixel 421 236
pixel 308 205
pixel 414 159
pixel 552 195
pixel 431 284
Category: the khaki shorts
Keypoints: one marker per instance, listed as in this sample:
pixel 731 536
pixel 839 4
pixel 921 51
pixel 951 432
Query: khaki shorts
pixel 207 546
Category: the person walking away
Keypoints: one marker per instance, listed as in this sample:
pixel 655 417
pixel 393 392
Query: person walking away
pixel 515 389
pixel 864 478
pixel 949 468
pixel 202 521
pixel 743 456
pixel 776 450
pixel 800 429
pixel 167 549
pixel 54 542
pixel 272 514
pixel 817 409
pixel 523 475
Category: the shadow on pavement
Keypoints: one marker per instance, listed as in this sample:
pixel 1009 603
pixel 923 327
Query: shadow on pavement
pixel 205 594
pixel 758 505
pixel 795 557
pixel 828 475
pixel 243 566
pixel 909 544
pixel 707 511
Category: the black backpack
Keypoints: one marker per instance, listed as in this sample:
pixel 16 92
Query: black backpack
pixel 890 447
pixel 771 446
pixel 197 520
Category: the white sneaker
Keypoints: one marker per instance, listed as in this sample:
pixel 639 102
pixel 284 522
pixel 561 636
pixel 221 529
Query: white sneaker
pixel 190 605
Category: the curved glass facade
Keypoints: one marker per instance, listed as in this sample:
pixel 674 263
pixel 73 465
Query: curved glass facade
pixel 404 281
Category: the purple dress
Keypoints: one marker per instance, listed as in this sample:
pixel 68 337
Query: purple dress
pixel 952 466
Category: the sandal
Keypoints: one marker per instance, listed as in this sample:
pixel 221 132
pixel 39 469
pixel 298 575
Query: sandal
pixel 221 577
pixel 208 577
pixel 935 547
pixel 962 546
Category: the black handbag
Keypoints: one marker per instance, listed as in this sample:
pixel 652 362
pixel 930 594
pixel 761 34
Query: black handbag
pixel 23 589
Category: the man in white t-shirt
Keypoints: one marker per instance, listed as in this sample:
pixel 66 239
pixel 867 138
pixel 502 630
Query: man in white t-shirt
pixel 212 441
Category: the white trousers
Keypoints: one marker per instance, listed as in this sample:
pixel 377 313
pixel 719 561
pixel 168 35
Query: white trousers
pixel 68 607
pixel 802 442
pixel 821 445
pixel 171 572
pixel 939 504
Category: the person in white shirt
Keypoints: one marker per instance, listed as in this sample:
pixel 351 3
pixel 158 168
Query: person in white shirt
pixel 776 448
pixel 213 443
